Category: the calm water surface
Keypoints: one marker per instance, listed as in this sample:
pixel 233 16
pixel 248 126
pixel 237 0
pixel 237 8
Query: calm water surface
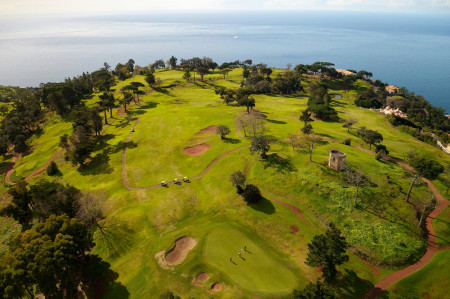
pixel 405 50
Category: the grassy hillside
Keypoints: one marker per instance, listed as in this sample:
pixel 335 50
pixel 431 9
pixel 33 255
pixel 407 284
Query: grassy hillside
pixel 382 229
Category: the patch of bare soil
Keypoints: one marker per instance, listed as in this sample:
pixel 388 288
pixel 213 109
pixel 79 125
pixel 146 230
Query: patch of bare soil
pixel 294 229
pixel 202 277
pixel 196 150
pixel 209 129
pixel 182 247
pixel 216 287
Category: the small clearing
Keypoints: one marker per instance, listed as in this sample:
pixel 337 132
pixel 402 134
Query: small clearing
pixel 202 277
pixel 216 287
pixel 209 129
pixel 196 150
pixel 182 247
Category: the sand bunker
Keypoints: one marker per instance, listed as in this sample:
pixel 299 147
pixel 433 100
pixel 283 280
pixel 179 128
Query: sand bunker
pixel 179 252
pixel 196 150
pixel 216 287
pixel 202 277
pixel 209 129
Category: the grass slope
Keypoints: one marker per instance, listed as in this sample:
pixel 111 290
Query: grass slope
pixel 255 270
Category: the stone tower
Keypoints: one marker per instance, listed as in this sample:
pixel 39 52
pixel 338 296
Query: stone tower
pixel 336 160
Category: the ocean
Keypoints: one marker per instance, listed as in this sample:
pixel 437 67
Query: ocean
pixel 410 50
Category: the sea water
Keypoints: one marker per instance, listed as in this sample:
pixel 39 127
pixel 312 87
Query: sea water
pixel 404 50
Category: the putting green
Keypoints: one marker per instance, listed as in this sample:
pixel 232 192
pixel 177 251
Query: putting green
pixel 258 272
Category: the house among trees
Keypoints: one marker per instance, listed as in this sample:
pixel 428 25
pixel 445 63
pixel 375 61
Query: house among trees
pixel 344 72
pixel 392 89
pixel 396 112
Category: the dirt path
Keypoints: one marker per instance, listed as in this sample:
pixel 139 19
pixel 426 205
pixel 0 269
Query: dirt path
pixel 10 171
pixel 396 276
pixel 45 165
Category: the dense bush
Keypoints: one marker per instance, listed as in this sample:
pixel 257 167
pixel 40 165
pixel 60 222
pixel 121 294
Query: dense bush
pixel 251 194
pixel 347 141
pixel 52 169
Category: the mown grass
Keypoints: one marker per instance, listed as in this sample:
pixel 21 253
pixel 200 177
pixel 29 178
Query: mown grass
pixel 253 269
pixel 382 227
pixel 429 282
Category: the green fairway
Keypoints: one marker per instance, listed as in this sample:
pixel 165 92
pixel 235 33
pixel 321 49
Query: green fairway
pixel 255 271
pixel 429 282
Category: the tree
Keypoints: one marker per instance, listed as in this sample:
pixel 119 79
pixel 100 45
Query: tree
pixel 150 77
pixel 173 62
pixel 327 251
pixel 260 145
pixel 349 123
pixel 424 167
pixel 255 121
pixel 54 198
pixel 52 168
pixel 223 131
pixel 251 194
pixel 237 178
pixel 187 75
pixel 369 136
pixel 318 290
pixel 355 178
pixel 225 72
pixel 126 99
pixel 169 295
pixel 305 117
pixel 293 140
pixel 52 257
pixel 202 71
pixel 446 178
pixel 308 142
pixel 20 205
pixel 242 122
pixel 307 129
pixel 103 104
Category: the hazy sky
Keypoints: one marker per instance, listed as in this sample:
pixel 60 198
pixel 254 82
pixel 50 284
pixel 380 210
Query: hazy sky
pixel 12 7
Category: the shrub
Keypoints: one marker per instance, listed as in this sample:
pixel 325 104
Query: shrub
pixel 381 147
pixel 251 194
pixel 347 141
pixel 52 169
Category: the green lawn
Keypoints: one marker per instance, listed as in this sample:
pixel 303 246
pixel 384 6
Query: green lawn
pixel 429 282
pixel 255 270
pixel 441 225
pixel 382 227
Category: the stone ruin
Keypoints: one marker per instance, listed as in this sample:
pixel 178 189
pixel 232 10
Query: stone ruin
pixel 336 160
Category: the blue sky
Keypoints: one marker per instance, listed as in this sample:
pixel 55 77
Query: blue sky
pixel 12 7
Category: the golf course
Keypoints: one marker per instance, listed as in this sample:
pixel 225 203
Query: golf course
pixel 198 238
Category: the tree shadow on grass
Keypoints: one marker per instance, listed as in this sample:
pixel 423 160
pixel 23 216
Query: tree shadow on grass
pixel 136 112
pixel 264 205
pixel 279 122
pixel 148 105
pixel 102 281
pixel 165 92
pixel 122 123
pixel 121 145
pixel 279 164
pixel 232 140
pixel 350 285
pixel 98 165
